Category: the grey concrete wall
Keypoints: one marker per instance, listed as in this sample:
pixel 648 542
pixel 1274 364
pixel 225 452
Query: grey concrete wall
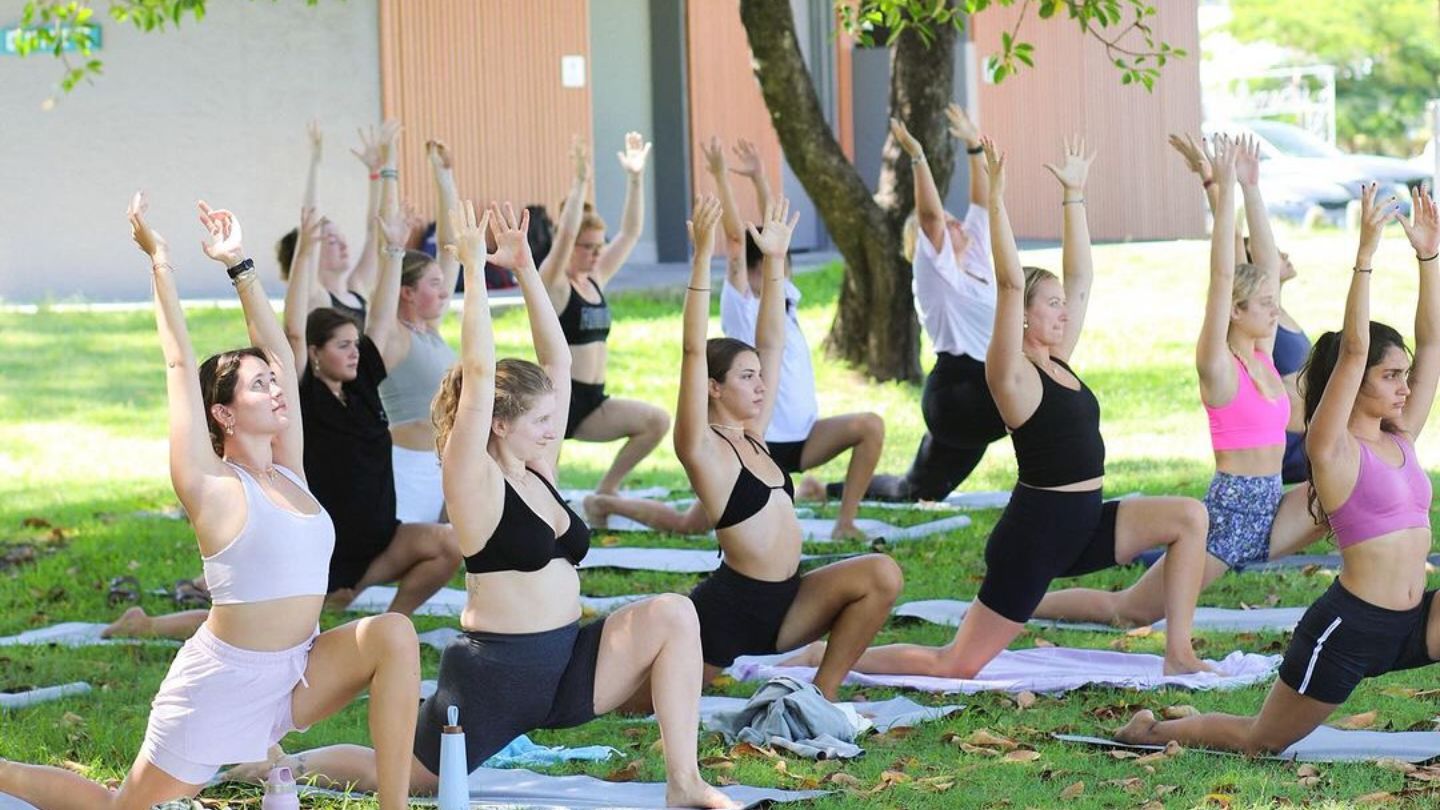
pixel 622 101
pixel 213 110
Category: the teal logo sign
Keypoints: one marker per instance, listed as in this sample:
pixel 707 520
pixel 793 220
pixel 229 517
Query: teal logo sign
pixel 10 38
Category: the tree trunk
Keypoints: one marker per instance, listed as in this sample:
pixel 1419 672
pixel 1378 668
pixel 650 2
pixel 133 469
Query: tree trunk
pixel 875 326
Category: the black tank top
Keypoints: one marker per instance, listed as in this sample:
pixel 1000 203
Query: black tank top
pixel 1060 443
pixel 584 322
pixel 357 314
pixel 523 541
pixel 750 494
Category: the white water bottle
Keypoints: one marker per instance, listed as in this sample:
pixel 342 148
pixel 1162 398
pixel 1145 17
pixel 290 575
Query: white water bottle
pixel 454 776
pixel 280 791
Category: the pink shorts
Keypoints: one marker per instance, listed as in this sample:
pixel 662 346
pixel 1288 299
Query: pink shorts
pixel 220 704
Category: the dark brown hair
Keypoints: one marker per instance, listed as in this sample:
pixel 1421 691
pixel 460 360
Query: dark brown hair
pixel 720 354
pixel 219 375
pixel 322 323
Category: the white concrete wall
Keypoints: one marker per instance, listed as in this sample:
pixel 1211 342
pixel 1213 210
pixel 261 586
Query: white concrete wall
pixel 622 101
pixel 215 110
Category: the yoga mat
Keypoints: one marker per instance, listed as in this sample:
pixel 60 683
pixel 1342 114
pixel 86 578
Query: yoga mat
pixel 882 714
pixel 451 602
pixel 675 560
pixel 493 787
pixel 20 700
pixel 955 500
pixel 951 611
pixel 817 530
pixel 576 497
pixel 1324 744
pixel 8 802
pixel 75 634
pixel 1294 561
pixel 1044 669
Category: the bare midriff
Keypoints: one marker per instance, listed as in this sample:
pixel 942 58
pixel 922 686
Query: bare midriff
pixel 522 601
pixel 275 624
pixel 1389 570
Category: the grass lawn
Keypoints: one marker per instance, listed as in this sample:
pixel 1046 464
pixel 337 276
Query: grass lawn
pixel 82 450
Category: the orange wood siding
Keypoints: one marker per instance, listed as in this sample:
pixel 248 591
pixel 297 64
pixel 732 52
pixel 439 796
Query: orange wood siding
pixel 484 77
pixel 725 98
pixel 844 91
pixel 1138 189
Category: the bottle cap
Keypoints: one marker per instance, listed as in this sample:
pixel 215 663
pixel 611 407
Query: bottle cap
pixel 452 716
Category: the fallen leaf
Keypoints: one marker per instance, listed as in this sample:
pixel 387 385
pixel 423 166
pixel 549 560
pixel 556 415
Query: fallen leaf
pixel 608 540
pixel 1120 753
pixel 1165 790
pixel 976 749
pixel 1357 721
pixel 1022 756
pixel 1397 765
pixel 1378 797
pixel 1141 632
pixel 718 763
pixel 1309 781
pixel 1153 805
pixel 985 737
pixel 1173 749
pixel 1130 785
pixel 748 750
pixel 1158 756
pixel 1073 791
pixel 1040 642
pixel 1307 770
pixel 1222 800
pixel 1025 700
pixel 936 784
pixel 843 779
pixel 627 773
pixel 1177 712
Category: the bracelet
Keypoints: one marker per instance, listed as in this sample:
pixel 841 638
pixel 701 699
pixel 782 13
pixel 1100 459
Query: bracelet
pixel 243 276
pixel 1427 258
pixel 374 175
pixel 394 252
pixel 1080 201
pixel 916 160
pixel 1209 181
pixel 155 268
pixel 974 150
pixel 698 289
pixel 389 174
pixel 1360 269
pixel 242 267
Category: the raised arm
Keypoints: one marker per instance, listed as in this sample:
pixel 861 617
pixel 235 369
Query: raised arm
pixel 1327 434
pixel 773 241
pixel 1007 373
pixel 448 200
pixel 562 247
pixel 378 154
pixel 1199 163
pixel 1076 261
pixel 632 221
pixel 312 175
pixel 750 165
pixel 1212 352
pixel 735 271
pixel 692 411
pixel 929 208
pixel 471 478
pixel 303 269
pixel 1423 230
pixel 965 131
pixel 1263 252
pixel 382 322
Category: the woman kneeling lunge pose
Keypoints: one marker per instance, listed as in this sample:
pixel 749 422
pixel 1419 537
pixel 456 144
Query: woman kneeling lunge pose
pixel 257 668
pixel 524 661
pixel 1365 404
pixel 758 602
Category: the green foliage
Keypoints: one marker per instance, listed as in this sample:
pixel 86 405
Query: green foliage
pixel 1387 57
pixel 1105 20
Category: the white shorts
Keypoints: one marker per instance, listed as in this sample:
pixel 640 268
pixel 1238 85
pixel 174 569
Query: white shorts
pixel 419 497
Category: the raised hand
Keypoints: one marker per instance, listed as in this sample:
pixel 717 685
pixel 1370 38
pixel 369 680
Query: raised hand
pixel 714 152
pixel 394 228
pixel 907 141
pixel 224 245
pixel 773 238
pixel 1247 160
pixel 308 234
pixel 702 223
pixel 510 235
pixel 1223 154
pixel 961 127
pixel 636 152
pixel 438 154
pixel 469 244
pixel 1193 154
pixel 1075 168
pixel 372 151
pixel 317 140
pixel 748 158
pixel 146 238
pixel 1423 227
pixel 994 167
pixel 1373 216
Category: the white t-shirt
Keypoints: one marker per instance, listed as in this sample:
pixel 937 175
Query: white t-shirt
pixel 956 300
pixel 796 408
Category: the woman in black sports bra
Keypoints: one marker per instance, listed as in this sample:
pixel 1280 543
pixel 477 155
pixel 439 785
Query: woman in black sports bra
pixel 524 661
pixel 758 602
pixel 1056 524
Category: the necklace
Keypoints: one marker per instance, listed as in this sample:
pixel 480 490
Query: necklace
pixel 740 428
pixel 412 327
pixel 269 472
pixel 1048 366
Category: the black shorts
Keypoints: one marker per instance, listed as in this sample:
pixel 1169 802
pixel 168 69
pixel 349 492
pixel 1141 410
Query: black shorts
pixel 355 549
pixel 506 684
pixel 739 615
pixel 1042 535
pixel 787 455
pixel 957 405
pixel 584 399
pixel 1342 639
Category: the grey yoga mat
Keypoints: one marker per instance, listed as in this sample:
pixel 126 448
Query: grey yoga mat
pixel 951 611
pixel 1303 560
pixel 817 530
pixel 896 712
pixel 41 694
pixel 675 560
pixel 74 634
pixel 451 602
pixel 1324 744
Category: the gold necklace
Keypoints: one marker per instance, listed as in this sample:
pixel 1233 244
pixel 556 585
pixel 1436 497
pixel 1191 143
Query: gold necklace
pixel 269 472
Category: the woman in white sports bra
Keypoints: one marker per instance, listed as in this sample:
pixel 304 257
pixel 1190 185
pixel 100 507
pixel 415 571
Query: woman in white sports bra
pixel 258 668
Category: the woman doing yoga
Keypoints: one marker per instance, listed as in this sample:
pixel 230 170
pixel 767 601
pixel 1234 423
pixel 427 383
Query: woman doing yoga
pixel 757 601
pixel 524 661
pixel 1252 518
pixel 1365 405
pixel 1056 524
pixel 257 669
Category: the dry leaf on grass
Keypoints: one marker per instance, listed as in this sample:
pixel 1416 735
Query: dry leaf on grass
pixel 1041 642
pixel 626 773
pixel 1177 712
pixel 979 750
pixel 986 737
pixel 1397 765
pixel 1121 753
pixel 1140 632
pixel 1073 791
pixel 1022 756
pixel 748 750
pixel 1025 700
pixel 842 779
pixel 1357 721
pixel 1309 775
pixel 1378 797
pixel 1130 785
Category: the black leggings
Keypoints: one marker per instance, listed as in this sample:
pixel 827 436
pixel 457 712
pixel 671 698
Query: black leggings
pixel 506 684
pixel 961 421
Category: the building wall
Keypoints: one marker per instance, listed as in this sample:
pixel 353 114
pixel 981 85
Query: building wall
pixel 215 111
pixel 620 78
pixel 1138 188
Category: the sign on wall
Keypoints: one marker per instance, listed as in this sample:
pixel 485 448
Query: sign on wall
pixel 10 38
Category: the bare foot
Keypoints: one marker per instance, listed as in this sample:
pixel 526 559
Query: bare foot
pixel 696 794
pixel 133 623
pixel 597 511
pixel 810 489
pixel 847 531
pixel 1185 663
pixel 339 599
pixel 1140 729
pixel 810 656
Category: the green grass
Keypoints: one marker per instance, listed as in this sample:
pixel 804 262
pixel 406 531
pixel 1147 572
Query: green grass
pixel 82 445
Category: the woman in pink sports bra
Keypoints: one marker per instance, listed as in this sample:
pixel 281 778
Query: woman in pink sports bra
pixel 1252 518
pixel 1365 404
pixel 256 669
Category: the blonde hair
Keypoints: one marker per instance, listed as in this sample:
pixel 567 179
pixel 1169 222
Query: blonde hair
pixel 1033 277
pixel 590 220
pixel 517 384
pixel 1248 278
pixel 910 236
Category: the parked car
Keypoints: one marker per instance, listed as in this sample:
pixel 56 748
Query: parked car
pixel 1298 190
pixel 1425 161
pixel 1296 142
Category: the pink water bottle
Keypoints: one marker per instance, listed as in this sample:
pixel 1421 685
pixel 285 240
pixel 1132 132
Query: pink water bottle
pixel 280 791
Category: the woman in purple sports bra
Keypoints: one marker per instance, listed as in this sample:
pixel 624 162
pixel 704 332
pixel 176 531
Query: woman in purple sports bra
pixel 1365 404
pixel 258 668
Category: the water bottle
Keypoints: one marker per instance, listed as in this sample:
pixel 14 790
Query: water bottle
pixel 280 791
pixel 454 776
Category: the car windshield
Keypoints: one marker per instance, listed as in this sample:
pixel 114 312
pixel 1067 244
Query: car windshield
pixel 1293 140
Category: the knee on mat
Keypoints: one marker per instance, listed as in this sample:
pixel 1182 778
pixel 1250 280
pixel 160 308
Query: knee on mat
pixel 950 663
pixel 1262 743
